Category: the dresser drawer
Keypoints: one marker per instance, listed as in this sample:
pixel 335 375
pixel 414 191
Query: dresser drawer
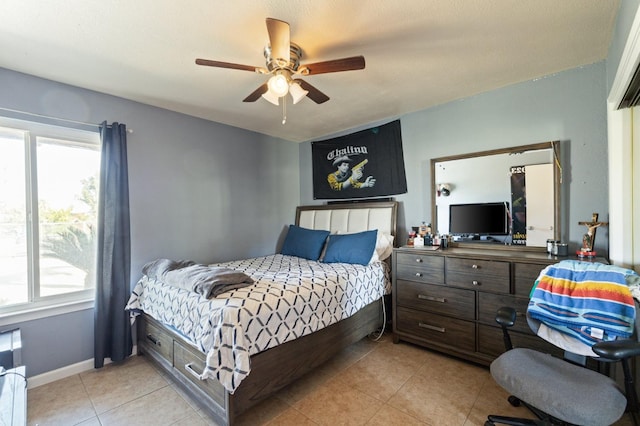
pixel 436 298
pixel 485 275
pixel 488 305
pixel 491 342
pixel 437 328
pixel 420 267
pixel 158 341
pixel 190 363
pixel 525 275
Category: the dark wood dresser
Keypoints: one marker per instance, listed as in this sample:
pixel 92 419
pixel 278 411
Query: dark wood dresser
pixel 447 299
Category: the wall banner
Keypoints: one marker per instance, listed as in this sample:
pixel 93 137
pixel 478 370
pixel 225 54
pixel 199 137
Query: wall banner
pixel 364 164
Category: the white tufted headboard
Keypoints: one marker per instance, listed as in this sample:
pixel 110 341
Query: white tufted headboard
pixel 352 217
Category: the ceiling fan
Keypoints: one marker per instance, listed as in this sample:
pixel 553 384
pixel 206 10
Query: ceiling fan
pixel 283 64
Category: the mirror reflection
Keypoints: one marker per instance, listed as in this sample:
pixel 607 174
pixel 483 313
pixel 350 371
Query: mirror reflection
pixel 508 197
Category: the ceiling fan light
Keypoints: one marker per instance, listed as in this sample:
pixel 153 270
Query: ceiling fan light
pixel 297 92
pixel 278 85
pixel 268 95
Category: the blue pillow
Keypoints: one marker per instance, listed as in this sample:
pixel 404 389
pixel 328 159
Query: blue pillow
pixel 303 242
pixel 351 248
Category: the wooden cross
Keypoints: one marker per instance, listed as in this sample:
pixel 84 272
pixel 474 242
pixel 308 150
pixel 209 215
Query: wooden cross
pixel 589 238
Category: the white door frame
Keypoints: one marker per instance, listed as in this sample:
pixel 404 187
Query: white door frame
pixel 621 160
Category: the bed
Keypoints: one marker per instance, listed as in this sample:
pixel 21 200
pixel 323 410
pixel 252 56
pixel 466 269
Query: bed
pixel 292 314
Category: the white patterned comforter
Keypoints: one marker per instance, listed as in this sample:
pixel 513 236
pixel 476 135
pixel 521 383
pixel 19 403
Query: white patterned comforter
pixel 291 297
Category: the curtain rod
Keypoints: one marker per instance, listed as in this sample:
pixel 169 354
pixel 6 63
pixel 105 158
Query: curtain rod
pixel 84 123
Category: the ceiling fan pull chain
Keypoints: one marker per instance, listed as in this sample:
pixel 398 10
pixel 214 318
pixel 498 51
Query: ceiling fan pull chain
pixel 284 109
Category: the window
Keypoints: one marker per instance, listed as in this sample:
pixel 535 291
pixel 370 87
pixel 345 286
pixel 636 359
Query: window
pixel 48 214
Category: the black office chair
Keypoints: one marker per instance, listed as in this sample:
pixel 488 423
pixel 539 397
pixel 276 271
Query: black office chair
pixel 558 391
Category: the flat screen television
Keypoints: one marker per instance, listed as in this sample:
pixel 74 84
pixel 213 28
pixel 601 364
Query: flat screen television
pixel 479 219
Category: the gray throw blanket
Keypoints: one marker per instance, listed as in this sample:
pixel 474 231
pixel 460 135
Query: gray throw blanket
pixel 209 281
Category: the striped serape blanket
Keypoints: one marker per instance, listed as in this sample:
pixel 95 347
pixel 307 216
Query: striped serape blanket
pixel 589 301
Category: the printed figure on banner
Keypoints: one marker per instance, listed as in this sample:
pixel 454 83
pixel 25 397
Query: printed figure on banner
pixel 346 176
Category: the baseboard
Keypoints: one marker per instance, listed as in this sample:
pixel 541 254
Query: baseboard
pixel 66 371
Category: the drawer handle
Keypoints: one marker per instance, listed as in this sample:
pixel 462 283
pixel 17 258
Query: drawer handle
pixel 432 299
pixel 154 340
pixel 475 282
pixel 474 266
pixel 431 327
pixel 193 372
pixel 418 274
pixel 419 260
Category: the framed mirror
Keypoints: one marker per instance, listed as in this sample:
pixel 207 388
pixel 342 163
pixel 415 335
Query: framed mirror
pixel 505 197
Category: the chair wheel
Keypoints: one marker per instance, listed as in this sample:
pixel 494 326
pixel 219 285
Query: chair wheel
pixel 489 423
pixel 513 401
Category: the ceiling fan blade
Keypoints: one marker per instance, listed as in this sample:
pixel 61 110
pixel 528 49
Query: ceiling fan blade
pixel 314 94
pixel 255 95
pixel 336 65
pixel 219 64
pixel 279 38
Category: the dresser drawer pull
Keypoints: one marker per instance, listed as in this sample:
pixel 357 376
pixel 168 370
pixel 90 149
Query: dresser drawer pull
pixel 431 327
pixel 418 274
pixel 432 299
pixel 193 372
pixel 474 266
pixel 475 282
pixel 419 260
pixel 154 340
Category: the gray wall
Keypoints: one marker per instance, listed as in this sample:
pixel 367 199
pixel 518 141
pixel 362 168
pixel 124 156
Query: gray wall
pixel 196 188
pixel 568 106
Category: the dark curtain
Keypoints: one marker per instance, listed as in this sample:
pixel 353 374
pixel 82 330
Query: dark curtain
pixel 112 326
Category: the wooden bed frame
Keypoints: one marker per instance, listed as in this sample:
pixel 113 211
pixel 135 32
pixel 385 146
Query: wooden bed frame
pixel 277 367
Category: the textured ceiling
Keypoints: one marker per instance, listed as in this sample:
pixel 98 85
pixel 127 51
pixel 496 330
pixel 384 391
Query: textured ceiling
pixel 419 53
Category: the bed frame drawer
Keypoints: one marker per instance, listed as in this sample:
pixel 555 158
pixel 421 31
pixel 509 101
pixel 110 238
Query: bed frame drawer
pixel 158 341
pixel 191 363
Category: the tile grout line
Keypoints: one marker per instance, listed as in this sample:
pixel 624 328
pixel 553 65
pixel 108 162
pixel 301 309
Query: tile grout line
pixel 123 403
pixel 475 401
pixel 398 390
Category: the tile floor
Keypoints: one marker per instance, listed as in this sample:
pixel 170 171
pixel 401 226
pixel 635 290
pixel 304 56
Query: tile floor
pixel 369 383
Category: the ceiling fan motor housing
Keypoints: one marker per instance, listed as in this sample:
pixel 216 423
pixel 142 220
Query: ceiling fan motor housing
pixel 294 58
